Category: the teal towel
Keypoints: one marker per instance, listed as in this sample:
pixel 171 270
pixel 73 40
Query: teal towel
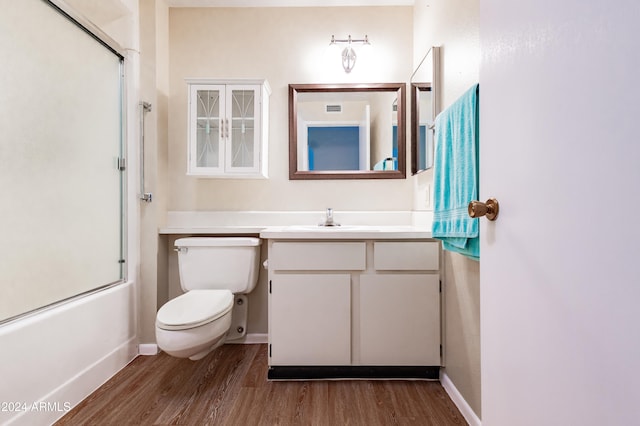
pixel 455 175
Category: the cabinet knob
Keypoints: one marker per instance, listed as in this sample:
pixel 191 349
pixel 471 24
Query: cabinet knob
pixel 489 209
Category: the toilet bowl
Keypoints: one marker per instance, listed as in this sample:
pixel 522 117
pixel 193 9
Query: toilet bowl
pixel 212 270
pixel 195 323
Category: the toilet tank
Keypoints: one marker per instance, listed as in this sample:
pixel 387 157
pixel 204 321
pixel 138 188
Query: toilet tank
pixel 218 263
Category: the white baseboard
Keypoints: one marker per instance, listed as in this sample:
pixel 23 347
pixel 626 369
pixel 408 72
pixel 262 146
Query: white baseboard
pixel 251 339
pixel 460 402
pixel 147 349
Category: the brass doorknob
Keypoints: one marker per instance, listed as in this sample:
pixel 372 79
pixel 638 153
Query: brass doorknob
pixel 479 209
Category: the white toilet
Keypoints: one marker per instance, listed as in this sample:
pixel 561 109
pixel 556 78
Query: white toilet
pixel 212 271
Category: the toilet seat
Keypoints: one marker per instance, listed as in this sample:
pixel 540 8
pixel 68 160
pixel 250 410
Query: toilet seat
pixel 194 308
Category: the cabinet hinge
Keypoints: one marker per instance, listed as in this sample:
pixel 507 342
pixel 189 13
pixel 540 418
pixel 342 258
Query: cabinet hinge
pixel 122 164
pixel 440 351
pixel 440 286
pixel 121 261
pixel 269 350
pixel 269 286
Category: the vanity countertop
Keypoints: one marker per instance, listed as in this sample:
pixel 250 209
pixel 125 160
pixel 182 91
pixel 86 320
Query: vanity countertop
pixel 310 232
pixel 345 232
pixel 211 230
pixel 301 224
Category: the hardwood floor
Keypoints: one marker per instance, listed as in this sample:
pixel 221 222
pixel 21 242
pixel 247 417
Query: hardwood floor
pixel 229 387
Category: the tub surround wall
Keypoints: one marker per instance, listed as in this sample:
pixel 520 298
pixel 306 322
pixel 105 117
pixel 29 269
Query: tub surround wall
pixel 154 88
pixel 61 355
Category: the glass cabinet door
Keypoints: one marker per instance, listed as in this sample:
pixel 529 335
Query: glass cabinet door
pixel 207 105
pixel 227 137
pixel 244 115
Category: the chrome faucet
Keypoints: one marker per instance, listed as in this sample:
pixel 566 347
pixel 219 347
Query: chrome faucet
pixel 328 221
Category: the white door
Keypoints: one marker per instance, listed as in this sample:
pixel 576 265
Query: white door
pixel 560 274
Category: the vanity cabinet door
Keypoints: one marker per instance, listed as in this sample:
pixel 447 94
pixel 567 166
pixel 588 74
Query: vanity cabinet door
pixel 400 319
pixel 310 319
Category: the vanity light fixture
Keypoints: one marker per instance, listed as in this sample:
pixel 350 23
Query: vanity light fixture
pixel 348 53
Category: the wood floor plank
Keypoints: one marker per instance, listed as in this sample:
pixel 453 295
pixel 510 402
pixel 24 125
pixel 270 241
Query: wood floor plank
pixel 211 390
pixel 258 370
pixel 230 387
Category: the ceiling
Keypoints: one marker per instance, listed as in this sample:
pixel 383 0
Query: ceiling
pixel 286 3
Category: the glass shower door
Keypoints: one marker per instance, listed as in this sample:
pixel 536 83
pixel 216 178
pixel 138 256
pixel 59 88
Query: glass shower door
pixel 62 175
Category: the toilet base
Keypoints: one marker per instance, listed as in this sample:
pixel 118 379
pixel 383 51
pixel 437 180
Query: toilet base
pixel 198 342
pixel 238 327
pixel 207 351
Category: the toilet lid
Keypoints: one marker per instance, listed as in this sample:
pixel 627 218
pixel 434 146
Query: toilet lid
pixel 194 308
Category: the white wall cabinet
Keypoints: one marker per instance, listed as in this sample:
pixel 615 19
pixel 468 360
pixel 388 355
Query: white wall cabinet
pixel 354 303
pixel 228 128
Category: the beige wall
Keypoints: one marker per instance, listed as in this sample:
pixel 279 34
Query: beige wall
pixel 286 45
pixel 283 45
pixel 154 88
pixel 453 25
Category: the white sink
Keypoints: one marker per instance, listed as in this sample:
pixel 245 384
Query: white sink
pixel 312 232
pixel 320 228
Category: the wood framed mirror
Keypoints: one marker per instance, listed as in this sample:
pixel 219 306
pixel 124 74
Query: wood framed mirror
pixel 425 106
pixel 347 131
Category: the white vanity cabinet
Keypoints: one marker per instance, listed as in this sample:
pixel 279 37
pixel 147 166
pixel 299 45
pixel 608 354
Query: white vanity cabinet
pixel 353 307
pixel 400 305
pixel 228 128
pixel 311 319
pixel 310 301
pixel 399 320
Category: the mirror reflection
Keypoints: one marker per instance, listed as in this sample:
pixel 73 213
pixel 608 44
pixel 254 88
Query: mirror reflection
pixel 346 131
pixel 424 108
